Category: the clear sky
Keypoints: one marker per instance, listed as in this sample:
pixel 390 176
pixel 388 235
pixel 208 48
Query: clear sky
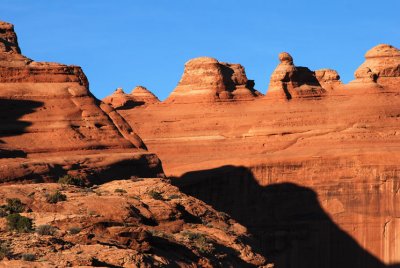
pixel 129 43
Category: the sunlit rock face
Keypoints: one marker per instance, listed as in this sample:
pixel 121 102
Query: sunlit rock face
pixel 206 79
pixel 315 179
pixel 382 65
pixel 139 96
pixel 51 124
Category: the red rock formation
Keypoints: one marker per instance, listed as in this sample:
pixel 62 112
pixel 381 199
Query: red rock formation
pixel 382 65
pixel 207 80
pixel 139 96
pixel 329 79
pixel 51 124
pixel 289 81
pixel 316 180
pixel 144 223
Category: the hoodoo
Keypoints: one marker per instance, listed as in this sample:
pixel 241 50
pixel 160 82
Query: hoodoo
pixel 52 125
pixel 289 81
pixel 139 96
pixel 206 79
pixel 382 65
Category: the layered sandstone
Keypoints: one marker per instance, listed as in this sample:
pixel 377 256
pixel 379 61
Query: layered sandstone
pixel 382 65
pixel 206 79
pixel 289 81
pixel 314 180
pixel 52 125
pixel 144 223
pixel 139 96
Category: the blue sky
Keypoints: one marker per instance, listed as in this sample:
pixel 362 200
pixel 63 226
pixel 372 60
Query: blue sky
pixel 129 43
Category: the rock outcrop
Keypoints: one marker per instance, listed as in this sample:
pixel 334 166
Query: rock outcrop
pixel 316 179
pixel 289 81
pixel 381 66
pixel 51 124
pixel 328 79
pixel 206 79
pixel 139 96
pixel 144 223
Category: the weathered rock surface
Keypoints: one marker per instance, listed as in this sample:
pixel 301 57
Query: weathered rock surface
pixel 289 81
pixel 317 178
pixel 382 65
pixel 139 96
pixel 328 79
pixel 50 124
pixel 206 79
pixel 146 223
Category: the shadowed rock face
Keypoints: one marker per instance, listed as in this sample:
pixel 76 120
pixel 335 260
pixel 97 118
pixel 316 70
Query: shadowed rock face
pixel 343 145
pixel 207 80
pixel 52 125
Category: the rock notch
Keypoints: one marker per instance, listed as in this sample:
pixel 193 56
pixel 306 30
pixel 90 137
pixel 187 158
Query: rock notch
pixel 206 79
pixel 52 125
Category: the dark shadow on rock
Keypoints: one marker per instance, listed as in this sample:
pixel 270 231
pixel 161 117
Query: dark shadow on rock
pixel 130 105
pixel 10 125
pixel 286 219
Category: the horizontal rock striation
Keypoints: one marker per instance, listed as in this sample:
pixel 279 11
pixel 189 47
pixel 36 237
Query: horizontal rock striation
pixel 315 181
pixel 206 79
pixel 50 124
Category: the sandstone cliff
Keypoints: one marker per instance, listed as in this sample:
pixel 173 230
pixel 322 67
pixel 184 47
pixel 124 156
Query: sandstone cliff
pixel 52 125
pixel 314 179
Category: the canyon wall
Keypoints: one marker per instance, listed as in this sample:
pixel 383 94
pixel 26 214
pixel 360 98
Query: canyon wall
pixel 311 168
pixel 51 124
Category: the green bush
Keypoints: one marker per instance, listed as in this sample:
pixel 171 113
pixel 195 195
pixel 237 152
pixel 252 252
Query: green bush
pixel 46 230
pixel 21 224
pixel 5 250
pixel 155 195
pixel 201 242
pixel 28 257
pixel 14 205
pixel 68 179
pixel 56 197
pixel 74 230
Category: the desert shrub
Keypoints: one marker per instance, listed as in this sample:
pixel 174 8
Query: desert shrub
pixel 3 212
pixel 28 257
pixel 46 230
pixel 71 180
pixel 21 224
pixel 155 195
pixel 74 230
pixel 200 241
pixel 14 205
pixel 174 196
pixel 5 250
pixel 56 197
pixel 118 190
